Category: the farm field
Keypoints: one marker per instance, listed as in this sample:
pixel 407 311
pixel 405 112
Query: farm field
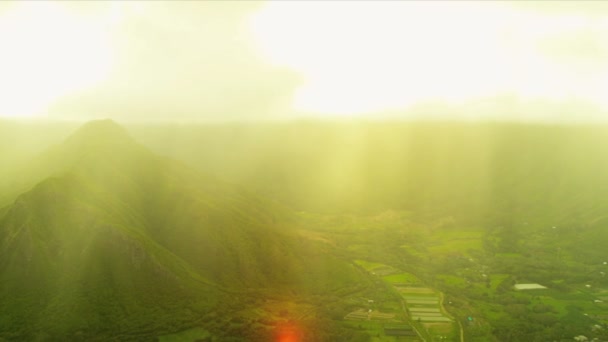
pixel 461 287
pixel 421 304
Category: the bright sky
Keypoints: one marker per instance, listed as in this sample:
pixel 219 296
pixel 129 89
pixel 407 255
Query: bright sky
pixel 47 53
pixel 366 56
pixel 250 60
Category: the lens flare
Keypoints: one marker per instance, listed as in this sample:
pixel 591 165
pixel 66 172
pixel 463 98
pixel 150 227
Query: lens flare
pixel 288 332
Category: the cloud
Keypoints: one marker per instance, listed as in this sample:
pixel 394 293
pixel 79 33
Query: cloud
pixel 245 60
pixel 364 57
pixel 589 8
pixel 505 107
pixel 46 53
pixel 587 45
pixel 185 60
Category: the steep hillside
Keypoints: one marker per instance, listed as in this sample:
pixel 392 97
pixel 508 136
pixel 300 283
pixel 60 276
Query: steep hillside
pixel 118 241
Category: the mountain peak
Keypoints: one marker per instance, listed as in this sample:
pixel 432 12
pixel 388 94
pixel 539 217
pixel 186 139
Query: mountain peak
pixel 100 132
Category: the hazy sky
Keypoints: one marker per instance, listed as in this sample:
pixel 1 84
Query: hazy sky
pixel 245 60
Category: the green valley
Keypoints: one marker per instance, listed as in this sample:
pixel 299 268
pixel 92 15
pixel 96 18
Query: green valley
pixel 103 238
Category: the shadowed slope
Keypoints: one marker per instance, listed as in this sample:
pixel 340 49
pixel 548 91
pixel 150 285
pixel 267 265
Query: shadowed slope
pixel 121 242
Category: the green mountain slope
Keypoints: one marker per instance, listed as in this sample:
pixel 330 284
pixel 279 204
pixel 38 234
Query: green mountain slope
pixel 118 242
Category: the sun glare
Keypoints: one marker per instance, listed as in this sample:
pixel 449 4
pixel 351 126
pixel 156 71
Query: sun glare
pixel 361 57
pixel 353 57
pixel 48 51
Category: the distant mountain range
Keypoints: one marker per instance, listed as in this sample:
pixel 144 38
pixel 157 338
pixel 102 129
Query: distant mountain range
pixel 472 172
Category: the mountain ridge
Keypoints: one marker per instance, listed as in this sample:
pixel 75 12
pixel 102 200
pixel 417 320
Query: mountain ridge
pixel 113 240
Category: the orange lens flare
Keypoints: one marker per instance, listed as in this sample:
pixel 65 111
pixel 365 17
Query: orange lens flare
pixel 288 333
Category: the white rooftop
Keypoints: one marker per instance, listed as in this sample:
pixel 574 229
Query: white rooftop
pixel 529 286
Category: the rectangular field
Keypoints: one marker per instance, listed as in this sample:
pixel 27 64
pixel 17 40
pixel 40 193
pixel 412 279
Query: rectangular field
pixel 431 319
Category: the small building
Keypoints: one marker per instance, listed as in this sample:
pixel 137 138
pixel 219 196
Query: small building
pixel 529 287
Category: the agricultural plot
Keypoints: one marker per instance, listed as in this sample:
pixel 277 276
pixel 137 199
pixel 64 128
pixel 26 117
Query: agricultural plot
pixel 368 265
pixel 380 316
pixel 357 315
pixel 369 315
pixel 441 330
pixel 384 271
pixel 456 242
pixel 422 306
pixel 413 302
pixel 400 330
pixel 423 309
pixel 431 319
pixel 376 268
pixel 387 332
pixel 411 290
pixel 413 296
pixel 401 279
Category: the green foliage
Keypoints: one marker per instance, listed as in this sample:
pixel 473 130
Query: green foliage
pixel 102 239
pixel 115 242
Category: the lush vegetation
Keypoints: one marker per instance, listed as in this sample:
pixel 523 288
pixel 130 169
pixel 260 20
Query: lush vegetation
pixel 335 232
pixel 115 241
